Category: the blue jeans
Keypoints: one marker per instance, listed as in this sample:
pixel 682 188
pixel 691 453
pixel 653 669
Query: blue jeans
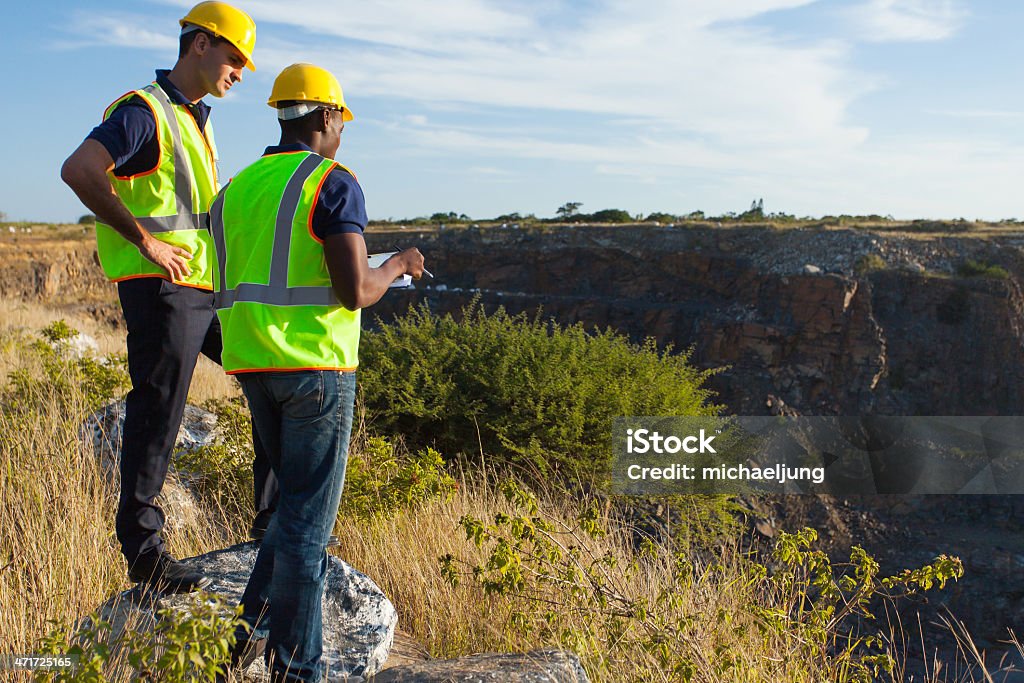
pixel 304 420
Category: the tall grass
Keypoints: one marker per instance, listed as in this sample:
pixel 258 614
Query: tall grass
pixel 208 382
pixel 59 558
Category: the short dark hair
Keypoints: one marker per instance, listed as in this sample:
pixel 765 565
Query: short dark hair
pixel 186 40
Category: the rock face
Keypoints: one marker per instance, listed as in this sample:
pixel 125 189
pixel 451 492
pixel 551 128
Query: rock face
pixel 539 666
pixel 359 621
pixel 829 321
pixel 872 326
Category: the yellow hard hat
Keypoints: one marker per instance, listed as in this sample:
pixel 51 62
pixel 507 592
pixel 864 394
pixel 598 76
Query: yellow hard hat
pixel 308 83
pixel 228 22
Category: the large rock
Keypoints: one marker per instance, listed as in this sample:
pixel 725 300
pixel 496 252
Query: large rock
pixel 539 666
pixel 103 430
pixel 359 620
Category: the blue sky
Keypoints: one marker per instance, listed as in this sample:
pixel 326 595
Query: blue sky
pixel 906 107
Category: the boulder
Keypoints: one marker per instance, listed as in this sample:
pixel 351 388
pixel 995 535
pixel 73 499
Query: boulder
pixel 539 666
pixel 105 427
pixel 359 620
pixel 103 431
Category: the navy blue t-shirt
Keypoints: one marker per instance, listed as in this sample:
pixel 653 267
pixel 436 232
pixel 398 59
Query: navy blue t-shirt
pixel 129 133
pixel 341 206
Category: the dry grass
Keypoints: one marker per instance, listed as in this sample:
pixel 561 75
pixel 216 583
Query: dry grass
pixel 208 382
pixel 59 558
pixel 402 555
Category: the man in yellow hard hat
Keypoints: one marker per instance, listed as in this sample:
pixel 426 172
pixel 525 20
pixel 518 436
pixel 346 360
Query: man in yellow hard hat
pixel 149 173
pixel 291 275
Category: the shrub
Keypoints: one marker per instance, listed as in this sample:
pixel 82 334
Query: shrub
pixel 972 268
pixel 609 216
pixel 64 375
pixel 382 479
pixel 530 393
pixel 222 472
pixel 184 645
pixel 661 217
pixel 867 263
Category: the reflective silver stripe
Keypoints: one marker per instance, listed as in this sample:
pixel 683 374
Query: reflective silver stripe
pixel 196 221
pixel 276 292
pixel 182 176
pixel 265 294
pixel 285 216
pixel 217 232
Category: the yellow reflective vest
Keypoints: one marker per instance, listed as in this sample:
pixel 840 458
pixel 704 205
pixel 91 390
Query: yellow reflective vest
pixel 273 291
pixel 170 200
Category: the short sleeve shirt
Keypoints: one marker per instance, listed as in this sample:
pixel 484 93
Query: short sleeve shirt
pixel 129 133
pixel 341 207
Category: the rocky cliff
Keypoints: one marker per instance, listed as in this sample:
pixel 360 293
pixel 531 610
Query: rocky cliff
pixel 822 321
pixel 814 320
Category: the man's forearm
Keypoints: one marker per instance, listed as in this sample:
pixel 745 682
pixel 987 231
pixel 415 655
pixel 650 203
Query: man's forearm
pixel 99 197
pixel 85 172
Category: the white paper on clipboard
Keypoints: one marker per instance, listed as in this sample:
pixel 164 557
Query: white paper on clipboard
pixel 402 281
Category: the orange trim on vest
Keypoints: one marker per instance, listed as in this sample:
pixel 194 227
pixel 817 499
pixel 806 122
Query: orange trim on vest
pixel 247 370
pixel 159 147
pixel 316 198
pixel 163 277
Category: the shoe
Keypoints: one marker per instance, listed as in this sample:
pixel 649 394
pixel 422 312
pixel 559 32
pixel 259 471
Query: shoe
pixel 165 573
pixel 260 524
pixel 243 653
pixel 259 529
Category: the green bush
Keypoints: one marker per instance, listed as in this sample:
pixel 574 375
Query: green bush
pixel 609 216
pixel 648 611
pixel 972 268
pixel 222 472
pixel 97 380
pixel 868 263
pixel 521 392
pixel 192 644
pixel 382 479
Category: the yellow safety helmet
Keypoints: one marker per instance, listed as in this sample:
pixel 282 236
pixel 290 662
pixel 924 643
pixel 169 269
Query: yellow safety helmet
pixel 227 22
pixel 308 83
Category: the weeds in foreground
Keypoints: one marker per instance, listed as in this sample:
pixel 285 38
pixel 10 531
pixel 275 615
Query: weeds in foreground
pixel 659 615
pixel 625 605
pixel 190 644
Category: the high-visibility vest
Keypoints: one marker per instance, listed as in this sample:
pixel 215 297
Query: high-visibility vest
pixel 170 200
pixel 273 291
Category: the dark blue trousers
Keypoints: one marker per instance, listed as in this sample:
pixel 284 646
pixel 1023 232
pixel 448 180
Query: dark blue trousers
pixel 168 327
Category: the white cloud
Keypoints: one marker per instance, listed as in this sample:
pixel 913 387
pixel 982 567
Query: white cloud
pixel 120 30
pixel 672 65
pixel 647 91
pixel 908 20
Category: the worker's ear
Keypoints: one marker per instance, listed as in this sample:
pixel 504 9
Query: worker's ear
pixel 201 42
pixel 324 121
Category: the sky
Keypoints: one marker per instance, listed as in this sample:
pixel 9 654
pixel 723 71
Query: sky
pixel 909 108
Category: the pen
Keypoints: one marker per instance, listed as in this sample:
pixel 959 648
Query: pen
pixel 425 271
